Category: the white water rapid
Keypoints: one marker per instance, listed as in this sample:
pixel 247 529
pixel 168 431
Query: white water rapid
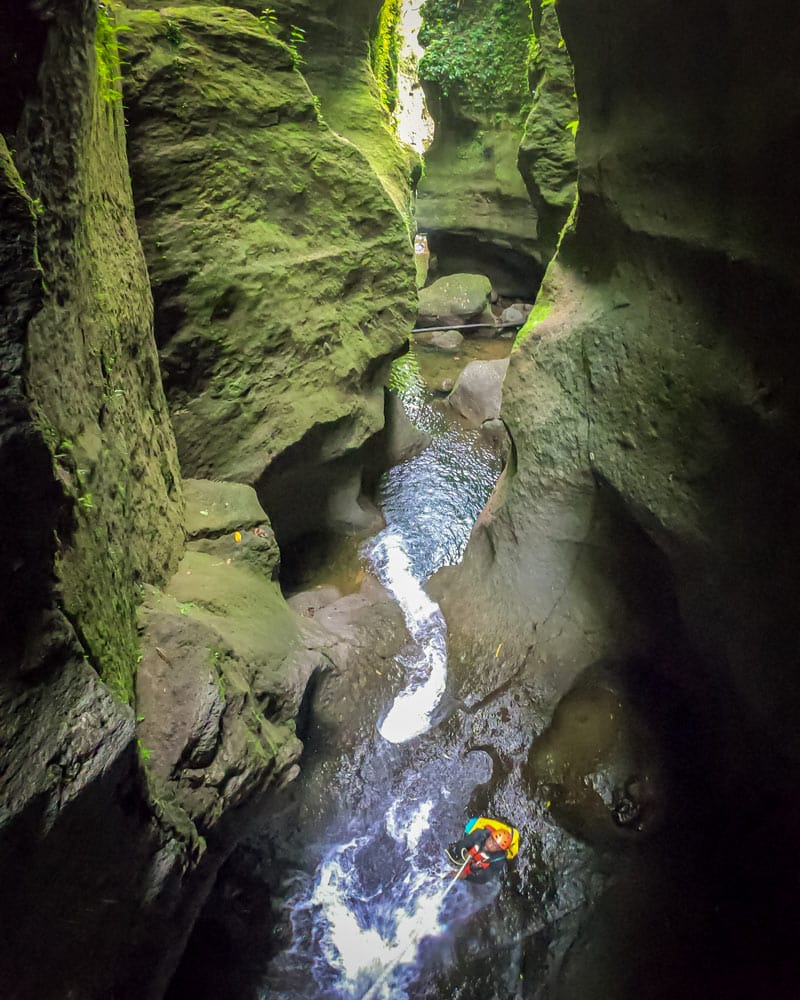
pixel 426 662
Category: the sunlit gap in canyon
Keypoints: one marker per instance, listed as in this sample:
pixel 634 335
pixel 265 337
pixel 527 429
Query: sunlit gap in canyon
pixel 415 127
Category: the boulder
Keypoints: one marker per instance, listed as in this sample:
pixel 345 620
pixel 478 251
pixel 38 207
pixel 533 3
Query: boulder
pixel 513 315
pixel 478 389
pixel 227 521
pixel 454 300
pixel 402 439
pixel 443 340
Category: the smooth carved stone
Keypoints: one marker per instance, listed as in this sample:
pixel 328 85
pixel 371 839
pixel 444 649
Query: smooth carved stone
pixel 478 391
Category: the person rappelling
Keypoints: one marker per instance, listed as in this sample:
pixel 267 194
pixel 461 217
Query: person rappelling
pixel 483 852
pixel 480 856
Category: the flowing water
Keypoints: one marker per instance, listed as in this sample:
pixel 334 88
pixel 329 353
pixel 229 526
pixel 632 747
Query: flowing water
pixel 368 902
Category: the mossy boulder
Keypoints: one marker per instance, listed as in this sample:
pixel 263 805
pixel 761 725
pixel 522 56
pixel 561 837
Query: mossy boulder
pixel 227 521
pixel 282 271
pixel 454 299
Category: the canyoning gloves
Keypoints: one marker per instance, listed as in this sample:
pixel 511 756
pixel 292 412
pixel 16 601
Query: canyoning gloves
pixel 478 859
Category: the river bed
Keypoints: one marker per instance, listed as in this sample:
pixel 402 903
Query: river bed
pixel 367 902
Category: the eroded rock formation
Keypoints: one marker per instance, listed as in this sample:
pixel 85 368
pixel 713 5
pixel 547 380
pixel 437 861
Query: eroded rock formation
pixel 648 507
pixel 281 266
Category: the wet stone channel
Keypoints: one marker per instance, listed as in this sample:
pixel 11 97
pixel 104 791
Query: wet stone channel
pixel 365 904
pixel 339 892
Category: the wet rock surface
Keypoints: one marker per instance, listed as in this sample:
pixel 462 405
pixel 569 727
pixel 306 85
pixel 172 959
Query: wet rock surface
pixel 604 761
pixel 647 479
pixel 478 390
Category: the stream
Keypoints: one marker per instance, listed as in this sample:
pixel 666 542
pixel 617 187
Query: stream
pixel 343 892
pixel 365 896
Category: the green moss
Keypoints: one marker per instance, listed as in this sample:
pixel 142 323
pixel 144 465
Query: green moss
pixel 537 315
pixel 384 53
pixel 106 48
pixel 543 306
pixel 241 210
pixel 92 370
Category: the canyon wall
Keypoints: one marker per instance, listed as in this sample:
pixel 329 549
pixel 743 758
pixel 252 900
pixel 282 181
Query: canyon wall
pixel 90 472
pixel 648 512
pixel 281 262
pixel 150 685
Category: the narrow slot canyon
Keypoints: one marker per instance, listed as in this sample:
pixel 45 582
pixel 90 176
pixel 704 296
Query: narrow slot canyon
pixel 398 423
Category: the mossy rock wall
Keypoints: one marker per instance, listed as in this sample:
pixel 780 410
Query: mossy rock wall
pixel 92 509
pixel 547 150
pixel 91 366
pixel 472 200
pixel 282 271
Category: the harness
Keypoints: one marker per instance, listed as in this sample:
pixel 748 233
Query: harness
pixel 482 859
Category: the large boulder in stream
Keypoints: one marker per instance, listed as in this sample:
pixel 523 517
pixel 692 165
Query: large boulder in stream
pixel 440 340
pixel 478 390
pixel 282 269
pixel 454 300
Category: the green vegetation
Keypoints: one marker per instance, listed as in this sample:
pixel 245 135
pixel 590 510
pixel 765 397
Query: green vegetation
pixel 173 34
pixel 537 315
pixel 477 51
pixel 107 50
pixel 269 21
pixel 296 36
pixel 383 53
